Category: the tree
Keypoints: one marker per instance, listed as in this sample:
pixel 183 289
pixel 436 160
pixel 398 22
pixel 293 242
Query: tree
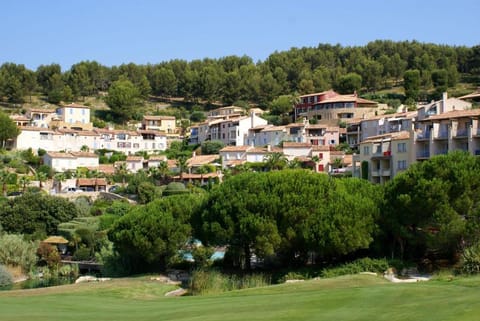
pixel 275 161
pixel 411 83
pixel 122 98
pixel 349 83
pixel 440 80
pixel 36 213
pixel 282 105
pixel 182 165
pixel 150 236
pixel 41 177
pixel 164 82
pixel 263 213
pixel 432 207
pixel 212 147
pixel 24 181
pixel 59 178
pixel 8 130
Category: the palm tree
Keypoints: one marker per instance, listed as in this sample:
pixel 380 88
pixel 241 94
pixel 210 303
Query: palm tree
pixel 59 178
pixel 163 170
pixel 23 181
pixel 275 161
pixel 41 177
pixel 122 171
pixel 293 164
pixel 182 164
pixel 4 178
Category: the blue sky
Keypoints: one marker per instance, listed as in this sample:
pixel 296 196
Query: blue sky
pixel 35 32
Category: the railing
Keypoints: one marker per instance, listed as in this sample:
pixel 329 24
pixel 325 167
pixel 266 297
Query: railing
pixel 375 173
pixel 423 154
pixel 425 135
pixel 386 172
pixel 442 134
pixel 461 132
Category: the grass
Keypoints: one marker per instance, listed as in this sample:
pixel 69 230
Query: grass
pixel 343 298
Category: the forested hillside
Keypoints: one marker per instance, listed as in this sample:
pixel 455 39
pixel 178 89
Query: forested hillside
pixel 367 69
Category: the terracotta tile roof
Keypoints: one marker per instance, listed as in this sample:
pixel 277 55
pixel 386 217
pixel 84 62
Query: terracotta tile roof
pixel 151 117
pixel 295 125
pixel 202 160
pixel 84 154
pixel 296 145
pixel 242 148
pixel 19 118
pixel 74 105
pixel 318 94
pixel 45 111
pixel 387 136
pixel 455 114
pixel 91 181
pixel 273 129
pixel 134 158
pixel 197 176
pixel 151 132
pixel 263 150
pixel 60 155
pixel 36 129
pixel 104 168
pixel 337 153
pixel 320 148
pixel 157 158
pixel 235 162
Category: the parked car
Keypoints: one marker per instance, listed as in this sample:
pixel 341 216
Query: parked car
pixel 113 189
pixel 72 190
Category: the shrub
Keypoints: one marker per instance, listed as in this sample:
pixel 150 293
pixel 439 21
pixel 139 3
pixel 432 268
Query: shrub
pixel 16 251
pixel 48 255
pixel 82 254
pixel 6 278
pixel 471 260
pixel 357 266
pixel 212 282
pixel 69 270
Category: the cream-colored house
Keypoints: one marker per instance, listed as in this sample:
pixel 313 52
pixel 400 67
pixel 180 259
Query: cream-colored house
pixel 73 116
pixel 386 155
pixel 60 162
pixel 166 124
pixel 86 159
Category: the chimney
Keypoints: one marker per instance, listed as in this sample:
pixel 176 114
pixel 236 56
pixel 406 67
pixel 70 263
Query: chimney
pixel 252 119
pixel 269 148
pixel 444 102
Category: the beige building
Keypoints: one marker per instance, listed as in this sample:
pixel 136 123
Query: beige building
pixel 166 124
pixel 385 155
pixel 72 116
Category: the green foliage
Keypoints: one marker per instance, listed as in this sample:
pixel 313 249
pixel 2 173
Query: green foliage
pixel 6 278
pixel 283 104
pixel 205 282
pixel 471 260
pixel 411 83
pixel 197 116
pixel 431 207
pixel 263 213
pixel 364 170
pixel 378 266
pixel 16 251
pixel 122 98
pixel 349 83
pixel 174 188
pixel 151 235
pixel 146 192
pixel 36 213
pixel 82 254
pixel 8 129
pixel 212 147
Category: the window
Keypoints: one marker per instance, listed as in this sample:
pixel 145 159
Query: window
pixel 402 147
pixel 71 111
pixel 83 112
pixel 366 150
pixel 402 165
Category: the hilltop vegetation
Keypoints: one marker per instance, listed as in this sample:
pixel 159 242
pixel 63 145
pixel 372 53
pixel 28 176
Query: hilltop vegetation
pixel 365 69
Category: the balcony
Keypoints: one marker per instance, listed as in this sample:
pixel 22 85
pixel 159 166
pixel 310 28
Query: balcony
pixel 442 135
pixel 461 133
pixel 375 173
pixel 386 172
pixel 423 136
pixel 423 154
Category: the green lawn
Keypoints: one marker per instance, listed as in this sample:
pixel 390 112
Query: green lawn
pixel 345 298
